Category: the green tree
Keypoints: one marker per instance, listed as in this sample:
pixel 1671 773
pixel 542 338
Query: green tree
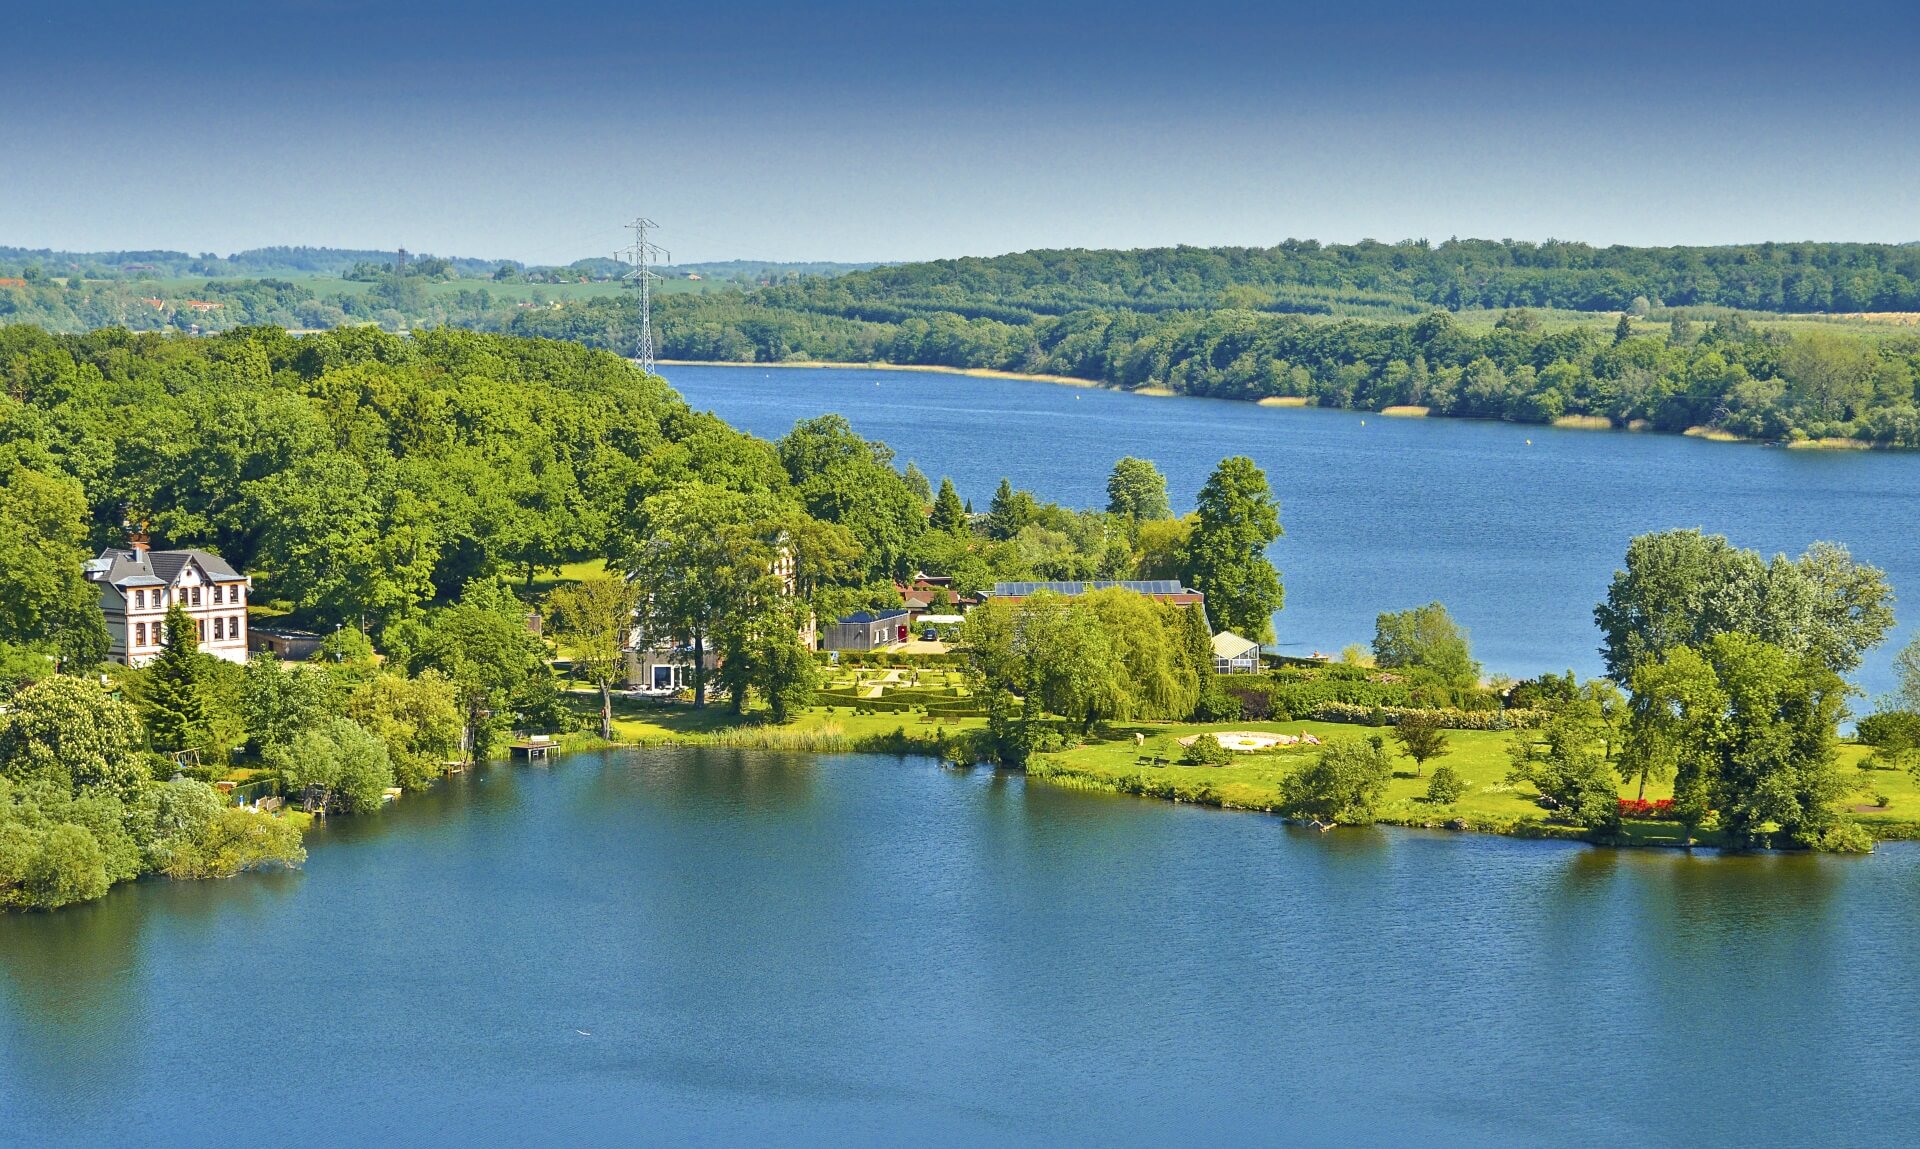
pixel 1238 519
pixel 481 645
pixel 594 621
pixel 1681 588
pixel 1906 668
pixel 842 478
pixel 1425 638
pixel 948 515
pixel 278 701
pixel 346 767
pixel 1137 490
pixel 1565 762
pixel 707 570
pixel 69 866
pixel 235 840
pixel 177 712
pixel 48 605
pixel 1421 738
pixel 1343 784
pixel 1773 763
pixel 1010 512
pixel 71 734
pixel 416 719
pixel 1830 372
pixel 1160 548
pixel 1672 718
pixel 916 481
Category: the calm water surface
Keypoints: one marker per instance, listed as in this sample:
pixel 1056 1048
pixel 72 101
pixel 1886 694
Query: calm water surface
pixel 1517 529
pixel 788 949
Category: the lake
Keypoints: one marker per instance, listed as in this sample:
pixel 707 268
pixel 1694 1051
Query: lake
pixel 724 948
pixel 1516 528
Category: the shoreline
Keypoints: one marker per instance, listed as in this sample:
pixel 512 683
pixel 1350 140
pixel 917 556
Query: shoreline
pixel 1052 770
pixel 971 372
pixel 1404 411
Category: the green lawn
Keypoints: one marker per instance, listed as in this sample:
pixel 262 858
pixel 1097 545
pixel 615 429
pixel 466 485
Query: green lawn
pixel 1252 780
pixel 819 728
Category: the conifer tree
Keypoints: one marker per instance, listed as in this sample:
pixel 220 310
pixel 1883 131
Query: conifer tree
pixel 176 703
pixel 948 514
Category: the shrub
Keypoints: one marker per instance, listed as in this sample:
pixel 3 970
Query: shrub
pixel 1446 786
pixel 1342 785
pixel 1658 808
pixel 1206 751
pixel 1843 838
pixel 1446 719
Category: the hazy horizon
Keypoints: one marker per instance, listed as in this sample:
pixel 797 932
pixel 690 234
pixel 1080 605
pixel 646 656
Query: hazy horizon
pixel 856 132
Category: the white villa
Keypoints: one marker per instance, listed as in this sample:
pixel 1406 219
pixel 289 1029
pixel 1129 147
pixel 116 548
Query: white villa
pixel 137 586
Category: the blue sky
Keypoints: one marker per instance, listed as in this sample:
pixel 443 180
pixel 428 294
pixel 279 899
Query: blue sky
pixel 864 131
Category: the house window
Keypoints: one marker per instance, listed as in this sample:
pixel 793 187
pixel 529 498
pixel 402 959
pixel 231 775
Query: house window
pixel 233 625
pixel 139 634
pixel 216 594
pixel 219 629
pixel 200 629
pixel 140 599
pixel 195 593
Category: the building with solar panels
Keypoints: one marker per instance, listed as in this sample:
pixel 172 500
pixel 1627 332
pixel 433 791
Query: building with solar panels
pixel 1169 591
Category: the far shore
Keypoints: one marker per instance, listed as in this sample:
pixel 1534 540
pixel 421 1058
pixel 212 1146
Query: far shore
pixel 1404 411
pixel 975 372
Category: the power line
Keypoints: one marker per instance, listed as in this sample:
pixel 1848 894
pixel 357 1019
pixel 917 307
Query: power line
pixel 642 253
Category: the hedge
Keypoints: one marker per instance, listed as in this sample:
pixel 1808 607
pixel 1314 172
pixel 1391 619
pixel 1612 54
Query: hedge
pixel 1447 719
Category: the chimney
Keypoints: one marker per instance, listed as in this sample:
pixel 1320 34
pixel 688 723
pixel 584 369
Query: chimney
pixel 138 541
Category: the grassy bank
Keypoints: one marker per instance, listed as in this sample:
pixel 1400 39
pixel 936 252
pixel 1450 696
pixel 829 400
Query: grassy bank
pixel 1490 804
pixel 821 730
pixel 1112 762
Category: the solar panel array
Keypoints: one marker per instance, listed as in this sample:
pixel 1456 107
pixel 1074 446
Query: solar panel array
pixel 1148 586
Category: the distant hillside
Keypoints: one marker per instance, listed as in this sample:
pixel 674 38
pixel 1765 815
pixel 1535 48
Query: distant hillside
pixel 334 261
pixel 1369 278
pixel 259 261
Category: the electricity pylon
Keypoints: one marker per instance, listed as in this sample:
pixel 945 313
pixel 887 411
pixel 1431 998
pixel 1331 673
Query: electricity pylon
pixel 641 254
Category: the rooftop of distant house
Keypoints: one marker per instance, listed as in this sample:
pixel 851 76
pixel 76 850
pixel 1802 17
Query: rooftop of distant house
pixel 137 566
pixel 873 616
pixel 1165 590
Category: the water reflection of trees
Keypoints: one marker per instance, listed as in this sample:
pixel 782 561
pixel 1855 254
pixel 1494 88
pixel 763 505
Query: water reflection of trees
pixel 708 779
pixel 74 992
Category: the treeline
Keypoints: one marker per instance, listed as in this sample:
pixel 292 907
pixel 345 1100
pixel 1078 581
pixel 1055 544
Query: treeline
pixel 1413 275
pixel 1727 375
pixel 77 304
pixel 257 261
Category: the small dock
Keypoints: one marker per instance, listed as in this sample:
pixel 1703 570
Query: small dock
pixel 533 748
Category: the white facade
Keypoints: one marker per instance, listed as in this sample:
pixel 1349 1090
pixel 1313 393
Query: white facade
pixel 137 586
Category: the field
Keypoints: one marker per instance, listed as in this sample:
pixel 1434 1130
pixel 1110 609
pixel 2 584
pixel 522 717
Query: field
pixel 1879 325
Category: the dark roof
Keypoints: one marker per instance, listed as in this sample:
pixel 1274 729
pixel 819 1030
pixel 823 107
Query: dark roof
pixel 1149 586
pixel 285 632
pixel 155 568
pixel 871 616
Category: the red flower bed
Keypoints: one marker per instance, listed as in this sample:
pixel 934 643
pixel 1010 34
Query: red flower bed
pixel 1641 808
